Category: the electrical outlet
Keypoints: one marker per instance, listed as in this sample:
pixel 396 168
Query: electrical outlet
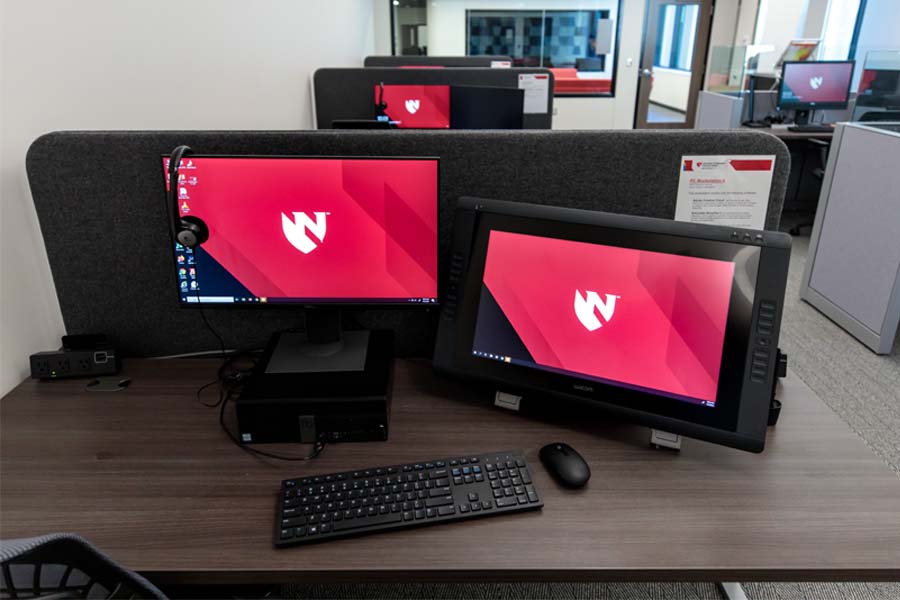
pixel 59 366
pixel 84 365
pixel 40 367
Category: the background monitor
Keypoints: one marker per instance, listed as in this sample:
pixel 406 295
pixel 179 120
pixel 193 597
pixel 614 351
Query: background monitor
pixel 674 325
pixel 477 107
pixel 310 230
pixel 814 85
pixel 415 106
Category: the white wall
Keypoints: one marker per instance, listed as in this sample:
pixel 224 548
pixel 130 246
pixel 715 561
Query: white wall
pixel 671 88
pixel 880 27
pixel 779 22
pixel 137 64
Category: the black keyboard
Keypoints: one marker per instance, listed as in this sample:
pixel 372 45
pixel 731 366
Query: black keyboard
pixel 811 128
pixel 326 507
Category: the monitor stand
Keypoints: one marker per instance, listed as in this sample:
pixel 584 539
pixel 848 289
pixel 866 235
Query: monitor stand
pixel 802 117
pixel 324 347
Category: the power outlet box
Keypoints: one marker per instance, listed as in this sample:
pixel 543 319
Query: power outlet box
pixel 62 364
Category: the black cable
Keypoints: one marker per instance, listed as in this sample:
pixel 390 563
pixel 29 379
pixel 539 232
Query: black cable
pixel 203 387
pixel 317 446
pixel 206 321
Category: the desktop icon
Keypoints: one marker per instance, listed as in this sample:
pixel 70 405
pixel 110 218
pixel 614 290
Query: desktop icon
pixel 184 285
pixel 182 191
pixel 180 258
pixel 194 284
pixel 296 230
pixel 182 273
pixel 587 306
pixel 192 272
pixel 185 207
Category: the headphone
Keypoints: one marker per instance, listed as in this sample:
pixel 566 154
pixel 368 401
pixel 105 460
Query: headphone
pixel 381 105
pixel 188 231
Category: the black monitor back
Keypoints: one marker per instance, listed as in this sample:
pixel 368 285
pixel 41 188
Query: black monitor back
pixel 477 107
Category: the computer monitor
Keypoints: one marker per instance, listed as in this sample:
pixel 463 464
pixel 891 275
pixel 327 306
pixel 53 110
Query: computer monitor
pixel 477 107
pixel 807 86
pixel 413 106
pixel 673 325
pixel 309 230
pixel 313 232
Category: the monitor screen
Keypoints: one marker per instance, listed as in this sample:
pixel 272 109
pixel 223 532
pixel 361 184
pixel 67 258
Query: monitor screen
pixel 672 325
pixel 631 318
pixel 819 84
pixel 482 107
pixel 310 230
pixel 416 106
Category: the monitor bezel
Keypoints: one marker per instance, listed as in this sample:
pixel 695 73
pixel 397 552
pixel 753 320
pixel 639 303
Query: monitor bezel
pixel 791 105
pixel 743 427
pixel 313 303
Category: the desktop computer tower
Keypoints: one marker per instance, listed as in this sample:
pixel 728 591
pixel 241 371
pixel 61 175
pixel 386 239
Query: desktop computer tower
pixel 341 405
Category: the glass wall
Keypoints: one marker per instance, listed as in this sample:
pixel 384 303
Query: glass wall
pixel 579 45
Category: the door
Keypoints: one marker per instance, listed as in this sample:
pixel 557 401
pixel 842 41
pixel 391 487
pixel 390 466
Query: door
pixel 673 60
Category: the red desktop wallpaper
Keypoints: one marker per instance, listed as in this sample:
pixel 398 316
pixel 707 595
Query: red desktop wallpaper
pixel 417 106
pixel 638 317
pixel 817 82
pixel 319 228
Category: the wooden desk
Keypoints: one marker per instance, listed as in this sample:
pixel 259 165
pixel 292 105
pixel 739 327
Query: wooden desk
pixel 785 135
pixel 148 476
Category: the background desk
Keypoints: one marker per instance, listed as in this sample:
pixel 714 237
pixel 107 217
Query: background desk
pixel 785 135
pixel 148 476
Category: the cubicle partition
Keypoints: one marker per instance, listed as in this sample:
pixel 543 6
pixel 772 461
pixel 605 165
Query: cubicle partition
pixel 101 204
pixel 852 272
pixel 481 61
pixel 350 93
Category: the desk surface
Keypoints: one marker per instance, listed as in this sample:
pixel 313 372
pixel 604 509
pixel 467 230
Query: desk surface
pixel 148 476
pixel 784 134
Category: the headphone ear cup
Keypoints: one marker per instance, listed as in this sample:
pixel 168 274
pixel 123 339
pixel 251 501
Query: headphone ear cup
pixel 193 232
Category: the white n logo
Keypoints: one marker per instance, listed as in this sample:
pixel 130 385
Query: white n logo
pixel 295 231
pixel 815 82
pixel 412 106
pixel 587 306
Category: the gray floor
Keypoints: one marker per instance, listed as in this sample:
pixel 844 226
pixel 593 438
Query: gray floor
pixel 861 387
pixel 657 113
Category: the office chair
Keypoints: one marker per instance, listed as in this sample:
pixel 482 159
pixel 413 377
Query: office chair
pixel 818 173
pixel 884 115
pixel 62 566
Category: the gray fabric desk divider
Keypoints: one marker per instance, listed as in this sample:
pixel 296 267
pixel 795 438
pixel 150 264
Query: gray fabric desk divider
pixel 484 60
pixel 100 201
pixel 350 93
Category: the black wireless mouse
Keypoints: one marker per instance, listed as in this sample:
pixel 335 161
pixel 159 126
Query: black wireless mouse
pixel 566 465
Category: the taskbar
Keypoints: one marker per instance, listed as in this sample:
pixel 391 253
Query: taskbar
pixel 248 300
pixel 621 384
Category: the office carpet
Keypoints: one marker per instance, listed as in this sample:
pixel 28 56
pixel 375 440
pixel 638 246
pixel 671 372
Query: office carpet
pixel 860 386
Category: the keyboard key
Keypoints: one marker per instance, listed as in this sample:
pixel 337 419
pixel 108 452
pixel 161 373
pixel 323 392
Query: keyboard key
pixel 447 510
pixel 475 506
pixel 419 514
pixel 442 501
pixel 287 534
pixel 504 502
pixel 430 513
pixel 300 532
pixel 368 522
pixel 439 492
pixel 294 522
pixel 487 504
pixel 473 497
pixel 523 473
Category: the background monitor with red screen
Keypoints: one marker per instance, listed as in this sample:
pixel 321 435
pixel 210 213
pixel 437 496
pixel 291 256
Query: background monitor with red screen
pixel 416 106
pixel 309 230
pixel 815 84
